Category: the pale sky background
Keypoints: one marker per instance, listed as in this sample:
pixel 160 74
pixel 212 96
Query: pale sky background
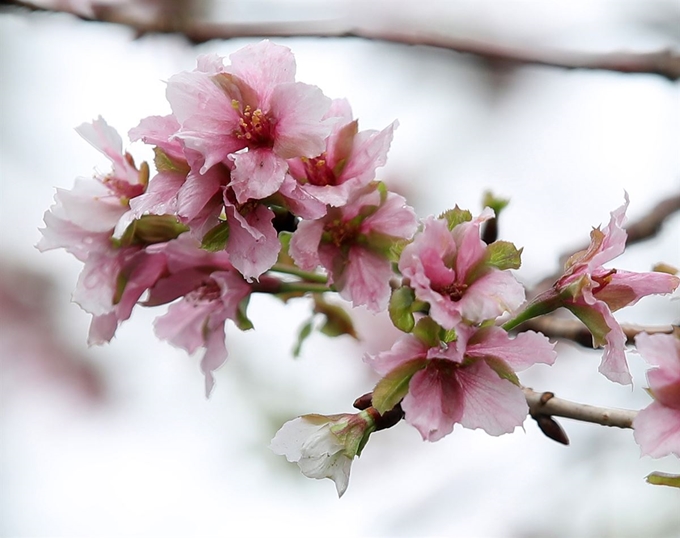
pixel 119 441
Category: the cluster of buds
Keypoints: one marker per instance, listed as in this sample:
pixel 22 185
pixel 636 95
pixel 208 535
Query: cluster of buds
pixel 262 184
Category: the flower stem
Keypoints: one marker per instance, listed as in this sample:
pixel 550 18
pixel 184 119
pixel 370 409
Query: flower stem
pixel 305 275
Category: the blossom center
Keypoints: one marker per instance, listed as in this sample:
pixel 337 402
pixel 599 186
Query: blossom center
pixel 318 172
pixel 454 290
pixel 341 233
pixel 207 292
pixel 254 127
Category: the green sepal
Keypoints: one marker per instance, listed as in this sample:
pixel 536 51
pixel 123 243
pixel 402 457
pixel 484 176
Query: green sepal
pixel 427 331
pixel 392 388
pixel 242 321
pixel 545 303
pixel 305 332
pixel 497 204
pixel 151 229
pixel 455 216
pixel 503 255
pixel 284 256
pixel 338 321
pixel 502 369
pixel 593 320
pixel 663 479
pixel 216 238
pixel 447 336
pixel 399 309
pixel 165 163
pixel 121 283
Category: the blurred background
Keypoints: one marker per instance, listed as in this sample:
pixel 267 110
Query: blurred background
pixel 119 441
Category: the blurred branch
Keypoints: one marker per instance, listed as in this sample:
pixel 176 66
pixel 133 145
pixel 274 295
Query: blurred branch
pixel 574 330
pixel 665 63
pixel 546 404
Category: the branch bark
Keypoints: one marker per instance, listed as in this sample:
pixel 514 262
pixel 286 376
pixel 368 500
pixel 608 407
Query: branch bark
pixel 574 330
pixel 546 404
pixel 664 63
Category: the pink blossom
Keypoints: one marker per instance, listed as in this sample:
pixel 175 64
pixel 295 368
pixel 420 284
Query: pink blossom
pixel 657 427
pixel 450 270
pixel 198 319
pixel 253 105
pixel 593 292
pixel 469 380
pixel 353 243
pixel 349 160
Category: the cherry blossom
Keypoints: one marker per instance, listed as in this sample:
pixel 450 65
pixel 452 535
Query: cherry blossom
pixel 349 160
pixel 255 105
pixel 469 379
pixel 657 427
pixel 592 292
pixel 457 274
pixel 353 243
pixel 324 446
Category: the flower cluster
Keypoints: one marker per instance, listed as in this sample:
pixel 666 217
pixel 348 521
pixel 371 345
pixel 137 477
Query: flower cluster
pixel 262 184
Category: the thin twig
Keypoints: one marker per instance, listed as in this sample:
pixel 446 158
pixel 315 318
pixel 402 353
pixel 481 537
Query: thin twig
pixel 665 63
pixel 546 404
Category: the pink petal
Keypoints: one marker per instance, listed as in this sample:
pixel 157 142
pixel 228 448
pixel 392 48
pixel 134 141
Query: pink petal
pixel 160 197
pixel 526 349
pixel 614 365
pixel 393 218
pixel 215 356
pixel 407 348
pixel 615 236
pixel 263 66
pixel 662 350
pixel 434 402
pixel 471 248
pixel 298 109
pixel 304 245
pixel 257 173
pixel 365 280
pixel 253 242
pixel 657 431
pixel 490 403
pixel 208 120
pixel 300 201
pixel 490 296
pixel 627 288
pixel 368 153
pixel 158 131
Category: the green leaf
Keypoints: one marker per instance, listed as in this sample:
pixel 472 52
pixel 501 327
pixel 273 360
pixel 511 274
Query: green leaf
pixel 242 321
pixel 338 321
pixel 121 283
pixel 399 308
pixel 447 336
pixel 456 216
pixel 503 255
pixel 392 388
pixel 427 331
pixel 664 479
pixel 152 229
pixel 216 238
pixel 497 204
pixel 164 163
pixel 304 333
pixel 284 257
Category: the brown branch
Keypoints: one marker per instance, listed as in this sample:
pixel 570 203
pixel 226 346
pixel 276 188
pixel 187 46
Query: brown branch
pixel 665 63
pixel 546 404
pixel 574 330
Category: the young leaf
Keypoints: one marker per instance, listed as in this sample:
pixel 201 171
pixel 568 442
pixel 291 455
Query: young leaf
pixel 399 308
pixel 216 238
pixel 503 255
pixel 392 388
